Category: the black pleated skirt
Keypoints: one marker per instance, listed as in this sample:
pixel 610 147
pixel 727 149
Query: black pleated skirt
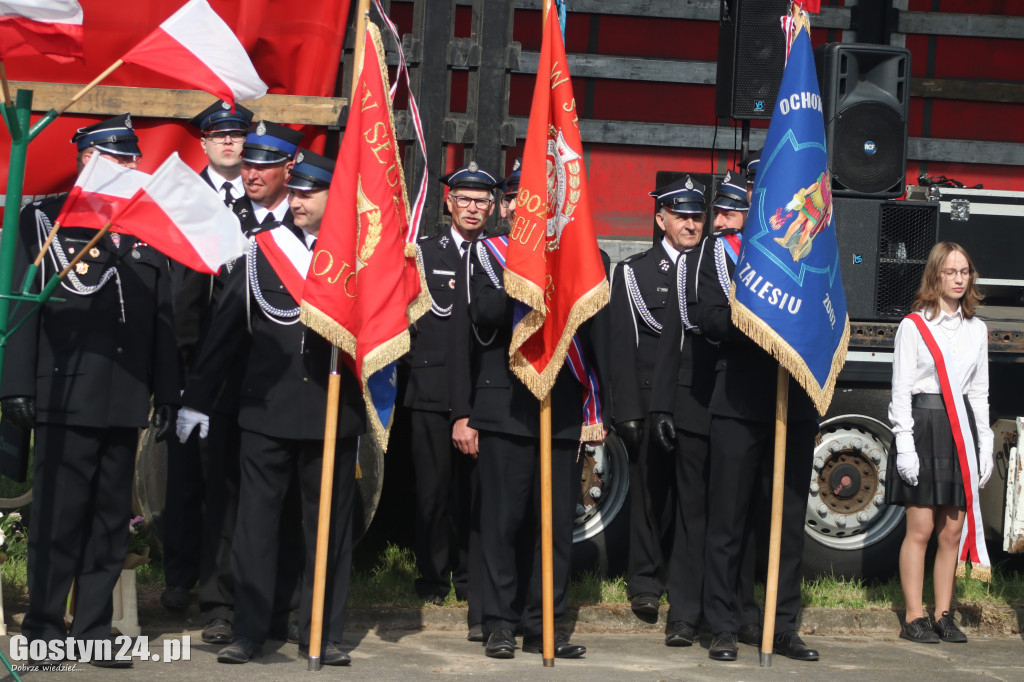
pixel 939 482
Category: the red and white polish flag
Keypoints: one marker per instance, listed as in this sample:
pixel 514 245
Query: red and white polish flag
pixel 181 216
pixel 196 47
pixel 102 189
pixel 51 28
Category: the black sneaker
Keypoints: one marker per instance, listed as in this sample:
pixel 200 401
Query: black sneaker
pixel 947 630
pixel 919 630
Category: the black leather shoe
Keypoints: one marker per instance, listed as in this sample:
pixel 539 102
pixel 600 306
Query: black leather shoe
pixel 534 644
pixel 242 650
pixel 175 598
pixel 723 647
pixel 476 634
pixel 330 654
pixel 217 631
pixel 645 606
pixel 919 630
pixel 680 633
pixel 751 634
pixel 501 644
pixel 947 630
pixel 790 645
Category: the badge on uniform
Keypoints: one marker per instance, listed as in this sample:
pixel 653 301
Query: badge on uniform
pixel 664 265
pixel 94 252
pixel 81 268
pixel 116 238
pixel 443 242
pixel 451 283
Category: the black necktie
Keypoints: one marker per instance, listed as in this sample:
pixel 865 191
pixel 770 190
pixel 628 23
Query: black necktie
pixel 268 219
pixel 312 246
pixel 229 199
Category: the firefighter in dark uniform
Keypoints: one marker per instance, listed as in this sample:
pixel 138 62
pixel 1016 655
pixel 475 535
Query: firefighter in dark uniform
pixel 222 132
pixel 506 415
pixel 742 436
pixel 207 467
pixel 82 372
pixel 638 307
pixel 684 377
pixel 282 415
pixel 471 203
pixel 266 160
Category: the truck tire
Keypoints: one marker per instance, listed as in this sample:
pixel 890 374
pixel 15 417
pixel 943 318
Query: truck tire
pixel 601 531
pixel 851 532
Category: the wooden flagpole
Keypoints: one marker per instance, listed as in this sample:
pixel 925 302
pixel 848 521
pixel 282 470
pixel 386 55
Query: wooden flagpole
pixel 7 86
pixel 547 571
pixel 323 528
pixel 323 532
pixel 96 81
pixel 771 591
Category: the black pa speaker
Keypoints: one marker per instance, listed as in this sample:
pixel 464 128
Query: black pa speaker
pixel 857 233
pixel 751 58
pixel 883 248
pixel 865 92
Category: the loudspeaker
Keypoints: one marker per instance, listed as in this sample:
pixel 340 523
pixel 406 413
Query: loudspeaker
pixel 865 92
pixel 857 233
pixel 883 248
pixel 907 231
pixel 751 58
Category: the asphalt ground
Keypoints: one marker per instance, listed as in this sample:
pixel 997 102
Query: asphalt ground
pixel 382 654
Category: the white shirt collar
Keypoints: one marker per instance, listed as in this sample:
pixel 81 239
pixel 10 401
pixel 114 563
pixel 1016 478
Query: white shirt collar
pixel 261 212
pixel 669 249
pixel 218 180
pixel 457 238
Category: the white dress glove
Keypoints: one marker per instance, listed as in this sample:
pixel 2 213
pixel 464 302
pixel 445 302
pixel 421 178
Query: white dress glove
pixel 907 464
pixel 984 468
pixel 188 420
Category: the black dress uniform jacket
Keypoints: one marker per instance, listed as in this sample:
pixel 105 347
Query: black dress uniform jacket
pixel 684 373
pixel 428 384
pixel 283 394
pixel 81 369
pixel 640 288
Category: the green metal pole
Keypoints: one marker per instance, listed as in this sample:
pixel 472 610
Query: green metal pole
pixel 12 203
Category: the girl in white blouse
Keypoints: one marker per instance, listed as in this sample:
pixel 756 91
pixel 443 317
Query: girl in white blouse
pixel 931 483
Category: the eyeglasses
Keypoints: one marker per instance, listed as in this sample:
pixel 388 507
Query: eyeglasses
pixel 508 199
pixel 951 273
pixel 464 202
pixel 221 137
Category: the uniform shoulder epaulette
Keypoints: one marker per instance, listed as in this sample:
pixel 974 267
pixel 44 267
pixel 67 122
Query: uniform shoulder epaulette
pixel 632 258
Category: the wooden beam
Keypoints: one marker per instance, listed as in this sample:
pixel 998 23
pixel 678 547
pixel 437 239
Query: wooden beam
pixel 965 25
pixel 976 91
pixel 108 100
pixel 630 68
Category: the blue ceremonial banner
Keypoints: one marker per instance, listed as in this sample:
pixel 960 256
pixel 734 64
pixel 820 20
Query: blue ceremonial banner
pixel 787 290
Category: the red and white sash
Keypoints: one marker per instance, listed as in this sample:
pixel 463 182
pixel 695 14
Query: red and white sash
pixel 972 540
pixel 288 256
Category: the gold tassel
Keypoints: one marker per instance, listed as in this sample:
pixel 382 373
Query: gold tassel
pixel 591 432
pixel 359 472
pixel 981 572
pixel 767 338
pixel 961 569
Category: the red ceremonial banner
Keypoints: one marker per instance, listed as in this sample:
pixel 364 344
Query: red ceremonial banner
pixel 554 266
pixel 364 289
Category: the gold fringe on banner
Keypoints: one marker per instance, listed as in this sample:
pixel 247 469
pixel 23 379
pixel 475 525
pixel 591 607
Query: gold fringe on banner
pixel 591 432
pixel 376 360
pixel 327 327
pixel 978 571
pixel 526 291
pixel 768 339
pixel 421 303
